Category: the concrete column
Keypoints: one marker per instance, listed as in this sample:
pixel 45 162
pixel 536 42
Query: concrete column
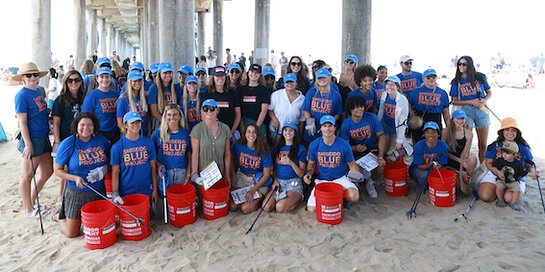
pixel 144 23
pixel 79 32
pixel 218 30
pixel 103 38
pixel 186 38
pixel 171 36
pixel 92 41
pixel 356 27
pixel 261 31
pixel 111 40
pixel 201 17
pixel 40 14
pixel 117 43
pixel 153 31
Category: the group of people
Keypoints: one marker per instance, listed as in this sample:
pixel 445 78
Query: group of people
pixel 263 133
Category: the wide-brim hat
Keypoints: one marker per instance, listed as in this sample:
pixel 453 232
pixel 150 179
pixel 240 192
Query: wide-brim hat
pixel 28 68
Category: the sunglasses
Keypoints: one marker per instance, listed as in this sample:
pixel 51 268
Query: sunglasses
pixel 269 77
pixel 32 75
pixel 201 74
pixel 73 80
pixel 462 64
pixel 208 109
pixel 349 62
pixel 430 77
pixel 296 64
pixel 408 63
pixel 234 71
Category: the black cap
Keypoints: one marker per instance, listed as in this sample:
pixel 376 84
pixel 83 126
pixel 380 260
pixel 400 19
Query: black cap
pixel 255 66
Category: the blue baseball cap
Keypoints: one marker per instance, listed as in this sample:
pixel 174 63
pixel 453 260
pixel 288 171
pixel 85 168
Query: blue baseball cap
pixel 431 125
pixel 218 70
pixel 131 117
pixel 165 66
pixel 351 57
pixel 210 103
pixel 136 66
pixel 135 75
pixel 102 61
pixel 103 70
pixel 327 119
pixel 234 66
pixel 186 69
pixel 290 77
pixel 459 114
pixel 201 69
pixel 190 79
pixel 394 79
pixel 290 124
pixel 154 68
pixel 323 72
pixel 429 72
pixel 268 71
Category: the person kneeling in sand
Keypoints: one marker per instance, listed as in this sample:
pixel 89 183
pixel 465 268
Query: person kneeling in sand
pixel 335 158
pixel 508 170
pixel 428 153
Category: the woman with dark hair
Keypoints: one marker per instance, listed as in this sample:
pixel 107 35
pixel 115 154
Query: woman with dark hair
pixel 365 134
pixel 191 102
pixel 290 162
pixel 82 161
pixel 508 132
pixel 346 78
pixel 234 78
pixel 254 100
pixel 253 161
pixel 297 67
pixel 470 90
pixel 364 77
pixel 53 89
pixel 380 84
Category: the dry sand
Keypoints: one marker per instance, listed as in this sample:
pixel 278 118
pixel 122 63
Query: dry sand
pixel 374 236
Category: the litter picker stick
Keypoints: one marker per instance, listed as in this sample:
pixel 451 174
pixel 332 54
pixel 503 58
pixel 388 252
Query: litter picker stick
pixel 261 211
pixel 538 184
pixel 492 112
pixel 163 172
pixel 37 197
pixel 471 204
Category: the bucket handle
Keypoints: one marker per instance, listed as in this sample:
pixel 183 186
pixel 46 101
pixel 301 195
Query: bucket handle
pixel 436 166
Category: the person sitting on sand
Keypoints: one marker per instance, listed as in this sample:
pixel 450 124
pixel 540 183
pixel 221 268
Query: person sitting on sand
pixel 332 157
pixel 508 170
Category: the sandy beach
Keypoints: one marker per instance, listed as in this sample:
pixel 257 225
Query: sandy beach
pixel 374 236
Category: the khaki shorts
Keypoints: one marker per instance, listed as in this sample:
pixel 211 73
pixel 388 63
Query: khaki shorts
pixel 511 186
pixel 241 181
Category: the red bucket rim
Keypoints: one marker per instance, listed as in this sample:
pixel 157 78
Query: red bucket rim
pixel 93 205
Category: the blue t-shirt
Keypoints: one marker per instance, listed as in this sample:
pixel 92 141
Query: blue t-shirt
pixel 493 153
pixel 410 82
pixel 423 154
pixel 467 91
pixel 123 106
pixel 33 104
pixel 371 99
pixel 363 132
pixel 379 88
pixel 133 159
pixel 103 105
pixel 83 157
pixel 389 116
pixel 174 153
pixel 424 97
pixel 249 162
pixel 331 160
pixel 285 171
pixel 153 92
pixel 319 106
pixel 191 114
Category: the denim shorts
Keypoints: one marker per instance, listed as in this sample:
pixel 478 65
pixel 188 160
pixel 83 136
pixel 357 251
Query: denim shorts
pixel 176 175
pixel 40 146
pixel 388 130
pixel 289 185
pixel 476 117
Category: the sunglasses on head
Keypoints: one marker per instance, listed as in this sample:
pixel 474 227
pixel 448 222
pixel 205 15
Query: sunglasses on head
pixel 462 64
pixel 295 64
pixel 73 80
pixel 32 75
pixel 408 63
pixel 208 109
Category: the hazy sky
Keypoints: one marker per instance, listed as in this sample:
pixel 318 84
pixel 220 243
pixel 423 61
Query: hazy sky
pixel 430 31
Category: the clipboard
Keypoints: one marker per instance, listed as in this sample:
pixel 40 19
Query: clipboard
pixel 368 162
pixel 210 175
pixel 239 195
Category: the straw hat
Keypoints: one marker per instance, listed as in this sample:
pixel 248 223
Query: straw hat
pixel 28 68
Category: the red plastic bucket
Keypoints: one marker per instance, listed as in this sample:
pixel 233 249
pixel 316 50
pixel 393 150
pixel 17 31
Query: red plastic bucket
pixel 329 202
pixel 108 184
pixel 395 178
pixel 139 206
pixel 442 191
pixel 215 200
pixel 98 218
pixel 182 206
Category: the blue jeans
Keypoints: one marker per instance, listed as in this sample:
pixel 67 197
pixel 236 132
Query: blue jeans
pixel 419 175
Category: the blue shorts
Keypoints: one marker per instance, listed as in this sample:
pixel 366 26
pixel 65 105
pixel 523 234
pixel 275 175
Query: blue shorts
pixel 388 130
pixel 40 146
pixel 475 117
pixel 289 185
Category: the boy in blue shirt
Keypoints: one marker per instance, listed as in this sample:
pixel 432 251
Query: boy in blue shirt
pixel 428 153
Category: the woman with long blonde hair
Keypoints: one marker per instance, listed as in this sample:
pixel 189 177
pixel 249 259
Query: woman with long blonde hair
pixel 163 92
pixel 134 99
pixel 191 101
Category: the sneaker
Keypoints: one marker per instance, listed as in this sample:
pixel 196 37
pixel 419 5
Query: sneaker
pixel 31 215
pixel 43 208
pixel 500 203
pixel 515 206
pixel 371 189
